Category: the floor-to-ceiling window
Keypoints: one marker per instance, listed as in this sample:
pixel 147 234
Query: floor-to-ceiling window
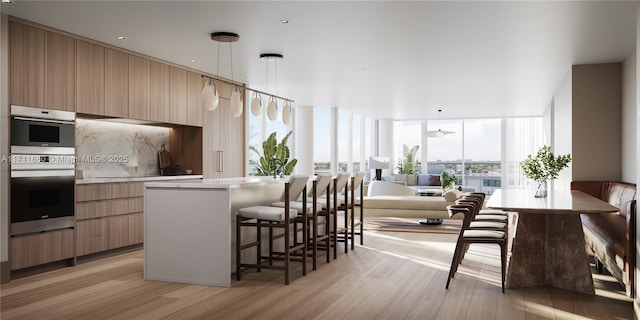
pixel 260 127
pixel 483 154
pixel 345 142
pixel 406 133
pixel 444 147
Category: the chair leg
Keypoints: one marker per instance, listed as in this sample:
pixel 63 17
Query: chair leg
pixel 346 229
pixel 335 235
pixel 361 221
pixel 286 255
pixel 503 251
pixel 270 245
pixel 305 243
pixel 259 250
pixel 238 246
pixel 327 241
pixel 314 237
pixel 454 262
pixel 353 227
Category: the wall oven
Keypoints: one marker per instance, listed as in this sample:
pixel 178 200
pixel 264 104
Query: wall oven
pixel 42 170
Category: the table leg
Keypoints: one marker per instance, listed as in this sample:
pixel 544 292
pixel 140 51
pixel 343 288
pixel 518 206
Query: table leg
pixel 549 249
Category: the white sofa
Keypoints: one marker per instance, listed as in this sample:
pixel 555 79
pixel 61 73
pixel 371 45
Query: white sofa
pixel 422 181
pixel 388 199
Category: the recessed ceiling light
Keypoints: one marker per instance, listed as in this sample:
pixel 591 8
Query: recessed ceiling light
pixel 122 37
pixel 284 21
pixel 193 60
pixel 7 1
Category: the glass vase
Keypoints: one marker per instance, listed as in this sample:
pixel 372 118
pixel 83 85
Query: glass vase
pixel 541 191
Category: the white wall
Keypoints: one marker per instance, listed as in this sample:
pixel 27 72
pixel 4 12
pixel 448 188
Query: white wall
pixel 629 126
pixel 562 128
pixel 4 137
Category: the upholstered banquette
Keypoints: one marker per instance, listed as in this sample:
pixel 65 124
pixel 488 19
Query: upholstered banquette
pixel 610 237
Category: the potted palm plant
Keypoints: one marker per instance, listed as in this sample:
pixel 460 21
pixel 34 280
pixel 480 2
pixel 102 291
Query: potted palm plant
pixel 408 165
pixel 274 159
pixel 544 166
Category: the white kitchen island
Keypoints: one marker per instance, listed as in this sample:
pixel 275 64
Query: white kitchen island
pixel 189 226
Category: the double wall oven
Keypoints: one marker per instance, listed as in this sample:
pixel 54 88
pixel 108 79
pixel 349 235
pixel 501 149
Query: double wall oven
pixel 42 170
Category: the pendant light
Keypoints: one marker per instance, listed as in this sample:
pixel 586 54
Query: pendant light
pixel 210 98
pixel 286 113
pixel 272 109
pixel 256 105
pixel 272 106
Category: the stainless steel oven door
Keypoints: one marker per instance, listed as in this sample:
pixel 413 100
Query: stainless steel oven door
pixel 42 200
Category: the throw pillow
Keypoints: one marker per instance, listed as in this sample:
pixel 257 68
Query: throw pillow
pixel 434 180
pixel 423 180
pixel 452 195
pixel 412 180
pixel 388 178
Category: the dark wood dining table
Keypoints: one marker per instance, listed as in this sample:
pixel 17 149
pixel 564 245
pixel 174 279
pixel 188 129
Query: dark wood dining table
pixel 548 247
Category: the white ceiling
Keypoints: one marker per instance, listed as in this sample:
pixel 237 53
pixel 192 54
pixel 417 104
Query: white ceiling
pixel 398 60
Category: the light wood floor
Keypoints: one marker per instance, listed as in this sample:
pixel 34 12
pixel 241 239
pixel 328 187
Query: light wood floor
pixel 394 276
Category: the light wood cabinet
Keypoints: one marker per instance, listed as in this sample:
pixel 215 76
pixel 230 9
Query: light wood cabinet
pixel 60 72
pixel 224 132
pixel 109 216
pixel 139 86
pixel 27 65
pixel 194 99
pixel 89 78
pixel 116 83
pixel 159 92
pixel 177 95
pixel 31 250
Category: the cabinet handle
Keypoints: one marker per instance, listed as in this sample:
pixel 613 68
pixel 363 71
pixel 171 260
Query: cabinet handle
pixel 220 161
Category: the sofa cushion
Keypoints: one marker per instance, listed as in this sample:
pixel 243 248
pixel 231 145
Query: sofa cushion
pixel 384 188
pixel 434 180
pixel 608 229
pixel 452 195
pixel 412 180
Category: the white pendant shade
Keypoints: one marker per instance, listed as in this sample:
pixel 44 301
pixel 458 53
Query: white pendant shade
pixel 236 104
pixel 286 113
pixel 256 106
pixel 210 97
pixel 272 110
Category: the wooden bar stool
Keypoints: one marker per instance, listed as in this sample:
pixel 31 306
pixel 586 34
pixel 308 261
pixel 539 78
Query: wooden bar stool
pixel 337 205
pixel 357 182
pixel 271 217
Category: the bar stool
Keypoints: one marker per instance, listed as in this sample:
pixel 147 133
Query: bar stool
pixel 316 207
pixel 357 182
pixel 272 217
pixel 337 204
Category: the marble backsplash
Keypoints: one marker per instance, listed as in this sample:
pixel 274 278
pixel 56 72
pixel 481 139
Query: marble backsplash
pixel 110 149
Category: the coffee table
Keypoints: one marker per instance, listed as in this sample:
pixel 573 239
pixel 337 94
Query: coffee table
pixel 430 193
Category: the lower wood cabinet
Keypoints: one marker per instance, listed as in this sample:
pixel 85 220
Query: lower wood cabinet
pixel 31 250
pixel 109 216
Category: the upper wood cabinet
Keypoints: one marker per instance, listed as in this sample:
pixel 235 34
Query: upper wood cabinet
pixel 116 83
pixel 89 78
pixel 139 86
pixel 60 72
pixel 177 95
pixel 195 83
pixel 159 91
pixel 27 65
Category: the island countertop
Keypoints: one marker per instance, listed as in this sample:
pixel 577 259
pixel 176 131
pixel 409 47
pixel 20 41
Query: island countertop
pixel 220 183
